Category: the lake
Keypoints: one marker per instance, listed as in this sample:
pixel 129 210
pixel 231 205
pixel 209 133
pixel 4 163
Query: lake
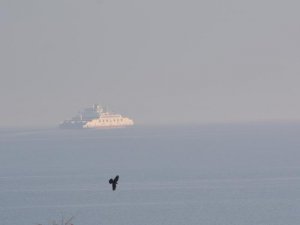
pixel 222 174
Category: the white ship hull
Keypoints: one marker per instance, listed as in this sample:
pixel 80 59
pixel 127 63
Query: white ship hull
pixel 107 120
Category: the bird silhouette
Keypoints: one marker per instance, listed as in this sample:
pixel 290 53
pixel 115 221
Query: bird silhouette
pixel 114 182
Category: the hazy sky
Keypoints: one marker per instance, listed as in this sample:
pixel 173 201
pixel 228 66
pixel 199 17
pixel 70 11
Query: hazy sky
pixel 156 61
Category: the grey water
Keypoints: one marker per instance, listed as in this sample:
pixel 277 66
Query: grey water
pixel 169 175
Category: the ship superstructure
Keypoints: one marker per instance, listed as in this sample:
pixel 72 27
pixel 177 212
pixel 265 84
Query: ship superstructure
pixel 96 117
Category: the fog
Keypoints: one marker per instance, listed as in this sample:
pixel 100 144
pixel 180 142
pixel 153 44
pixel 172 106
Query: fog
pixel 158 62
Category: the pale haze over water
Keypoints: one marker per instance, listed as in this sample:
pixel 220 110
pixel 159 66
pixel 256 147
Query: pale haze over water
pixel 159 62
pixel 213 87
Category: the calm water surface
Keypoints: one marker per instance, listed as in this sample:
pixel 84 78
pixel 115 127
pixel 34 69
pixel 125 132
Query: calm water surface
pixel 210 175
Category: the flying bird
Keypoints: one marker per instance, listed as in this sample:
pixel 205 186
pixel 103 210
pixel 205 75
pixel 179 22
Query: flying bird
pixel 114 182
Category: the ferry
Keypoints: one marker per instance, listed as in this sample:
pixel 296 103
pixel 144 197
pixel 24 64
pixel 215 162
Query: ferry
pixel 96 117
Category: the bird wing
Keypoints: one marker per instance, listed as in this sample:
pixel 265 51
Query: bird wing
pixel 116 179
pixel 114 185
pixel 111 181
